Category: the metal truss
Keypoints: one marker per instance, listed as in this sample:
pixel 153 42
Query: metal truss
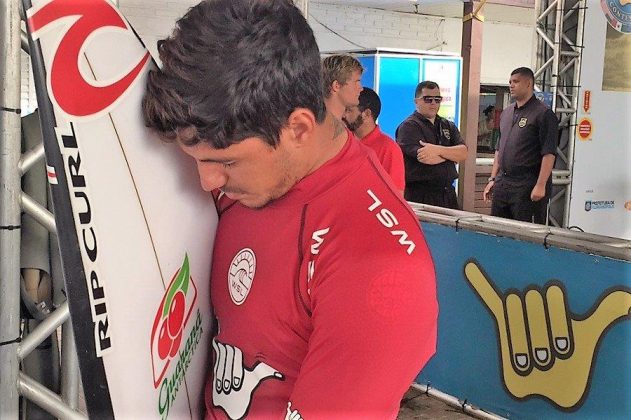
pixel 15 343
pixel 303 5
pixel 559 37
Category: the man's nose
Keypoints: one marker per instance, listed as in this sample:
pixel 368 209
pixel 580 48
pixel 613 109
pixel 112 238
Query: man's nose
pixel 212 176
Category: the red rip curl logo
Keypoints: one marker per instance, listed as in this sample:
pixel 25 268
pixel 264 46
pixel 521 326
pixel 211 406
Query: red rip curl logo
pixel 73 94
pixel 170 321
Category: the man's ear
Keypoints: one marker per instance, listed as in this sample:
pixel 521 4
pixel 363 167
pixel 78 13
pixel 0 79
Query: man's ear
pixel 335 86
pixel 301 125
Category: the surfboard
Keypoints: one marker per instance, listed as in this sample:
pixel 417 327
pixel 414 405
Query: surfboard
pixel 135 229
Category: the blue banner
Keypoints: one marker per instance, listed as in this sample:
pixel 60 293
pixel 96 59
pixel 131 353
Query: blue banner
pixel 545 97
pixel 529 332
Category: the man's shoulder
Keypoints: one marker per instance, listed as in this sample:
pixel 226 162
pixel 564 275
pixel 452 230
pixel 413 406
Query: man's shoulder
pixel 450 126
pixel 413 122
pixel 508 108
pixel 545 110
pixel 359 189
pixel 383 137
pixel 373 213
pixel 446 122
pixel 540 111
pixel 413 118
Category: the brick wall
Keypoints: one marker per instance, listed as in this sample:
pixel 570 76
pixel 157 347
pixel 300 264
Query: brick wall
pixel 367 28
pixel 505 45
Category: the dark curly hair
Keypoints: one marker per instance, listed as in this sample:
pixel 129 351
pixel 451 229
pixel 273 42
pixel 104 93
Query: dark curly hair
pixel 234 69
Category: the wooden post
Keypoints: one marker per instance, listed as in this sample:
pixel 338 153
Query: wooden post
pixel 471 64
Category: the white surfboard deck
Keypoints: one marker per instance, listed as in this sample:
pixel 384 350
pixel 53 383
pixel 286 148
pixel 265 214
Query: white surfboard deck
pixel 138 218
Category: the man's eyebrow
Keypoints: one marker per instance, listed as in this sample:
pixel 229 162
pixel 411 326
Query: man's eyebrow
pixel 216 160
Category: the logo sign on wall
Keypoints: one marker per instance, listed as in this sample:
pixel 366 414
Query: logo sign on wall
pixel 445 72
pixel 584 129
pixel 618 14
pixel 599 205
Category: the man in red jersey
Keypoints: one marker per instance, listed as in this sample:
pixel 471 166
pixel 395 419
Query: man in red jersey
pixel 361 120
pixel 322 283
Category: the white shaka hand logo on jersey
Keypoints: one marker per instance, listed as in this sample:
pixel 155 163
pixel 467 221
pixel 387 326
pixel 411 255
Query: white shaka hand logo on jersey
pixel 235 383
pixel 292 414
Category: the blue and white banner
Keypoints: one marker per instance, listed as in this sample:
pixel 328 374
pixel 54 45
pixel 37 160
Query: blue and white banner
pixel 529 332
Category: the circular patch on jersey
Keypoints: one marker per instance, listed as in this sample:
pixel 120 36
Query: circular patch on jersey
pixel 618 14
pixel 388 292
pixel 241 275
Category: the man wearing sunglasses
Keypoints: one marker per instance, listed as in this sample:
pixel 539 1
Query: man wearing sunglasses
pixel 431 147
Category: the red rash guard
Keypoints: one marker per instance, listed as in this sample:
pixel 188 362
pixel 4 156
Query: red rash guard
pixel 325 299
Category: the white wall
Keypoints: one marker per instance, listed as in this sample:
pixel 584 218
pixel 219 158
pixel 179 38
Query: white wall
pixel 154 20
pixel 505 46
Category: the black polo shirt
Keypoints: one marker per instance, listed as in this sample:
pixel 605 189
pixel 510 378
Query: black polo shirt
pixel 527 133
pixel 443 132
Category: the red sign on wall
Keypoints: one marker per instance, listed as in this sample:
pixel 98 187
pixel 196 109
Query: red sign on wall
pixel 587 100
pixel 585 129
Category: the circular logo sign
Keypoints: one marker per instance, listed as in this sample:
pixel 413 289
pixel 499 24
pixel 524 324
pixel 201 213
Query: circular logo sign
pixel 584 129
pixel 241 275
pixel 618 14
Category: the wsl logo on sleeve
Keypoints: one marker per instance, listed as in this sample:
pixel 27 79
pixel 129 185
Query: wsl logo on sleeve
pixel 167 345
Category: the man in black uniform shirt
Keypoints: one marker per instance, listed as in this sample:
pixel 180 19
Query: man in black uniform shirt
pixel 431 145
pixel 520 182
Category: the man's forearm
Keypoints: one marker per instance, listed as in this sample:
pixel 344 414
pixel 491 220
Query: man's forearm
pixel 496 165
pixel 454 153
pixel 547 163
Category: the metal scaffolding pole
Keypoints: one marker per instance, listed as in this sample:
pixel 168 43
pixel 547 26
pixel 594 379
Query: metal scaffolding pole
pixel 303 5
pixel 10 190
pixel 559 29
pixel 15 345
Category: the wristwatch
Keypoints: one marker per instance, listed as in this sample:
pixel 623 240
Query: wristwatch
pixel 491 178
